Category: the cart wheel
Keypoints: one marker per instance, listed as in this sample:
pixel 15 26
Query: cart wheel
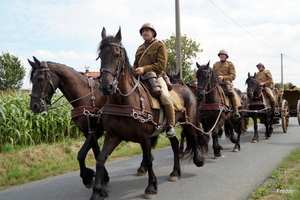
pixel 298 111
pixel 284 115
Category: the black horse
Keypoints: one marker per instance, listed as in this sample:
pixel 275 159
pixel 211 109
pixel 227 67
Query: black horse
pixel 259 107
pixel 216 113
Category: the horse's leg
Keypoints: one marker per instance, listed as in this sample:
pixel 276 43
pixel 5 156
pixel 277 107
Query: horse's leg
pixel 151 189
pixel 255 138
pixel 269 125
pixel 237 146
pixel 99 190
pixel 96 150
pixel 181 146
pixel 142 170
pixel 176 173
pixel 87 174
pixel 216 146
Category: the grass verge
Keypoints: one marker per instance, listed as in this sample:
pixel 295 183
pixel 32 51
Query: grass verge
pixel 283 183
pixel 20 166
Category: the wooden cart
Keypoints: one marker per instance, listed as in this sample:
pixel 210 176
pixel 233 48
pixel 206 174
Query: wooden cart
pixel 290 107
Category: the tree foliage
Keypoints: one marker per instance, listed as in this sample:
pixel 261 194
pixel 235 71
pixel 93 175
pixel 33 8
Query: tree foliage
pixel 12 72
pixel 189 50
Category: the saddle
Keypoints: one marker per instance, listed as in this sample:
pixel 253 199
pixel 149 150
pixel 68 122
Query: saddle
pixel 156 104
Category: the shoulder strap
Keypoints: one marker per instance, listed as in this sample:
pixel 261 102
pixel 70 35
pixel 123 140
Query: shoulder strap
pixel 146 51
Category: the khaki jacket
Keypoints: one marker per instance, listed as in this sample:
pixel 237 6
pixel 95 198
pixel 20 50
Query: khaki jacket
pixel 155 58
pixel 225 69
pixel 265 77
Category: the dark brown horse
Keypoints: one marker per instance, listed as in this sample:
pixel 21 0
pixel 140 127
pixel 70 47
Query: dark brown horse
pixel 129 116
pixel 214 110
pixel 175 79
pixel 84 95
pixel 259 107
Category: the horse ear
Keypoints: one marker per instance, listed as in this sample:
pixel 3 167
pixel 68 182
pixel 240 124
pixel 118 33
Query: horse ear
pixel 178 74
pixel 103 33
pixel 207 65
pixel 37 62
pixel 254 74
pixel 33 65
pixel 119 35
pixel 248 74
pixel 197 64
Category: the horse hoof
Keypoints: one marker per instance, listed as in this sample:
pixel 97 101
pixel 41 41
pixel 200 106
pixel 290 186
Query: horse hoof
pixel 267 138
pixel 89 186
pixel 141 173
pixel 150 196
pixel 235 150
pixel 254 141
pixel 173 178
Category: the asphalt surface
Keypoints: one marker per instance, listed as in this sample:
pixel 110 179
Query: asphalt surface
pixel 232 177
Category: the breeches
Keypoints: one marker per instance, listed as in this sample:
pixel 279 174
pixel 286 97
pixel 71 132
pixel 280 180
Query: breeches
pixel 165 96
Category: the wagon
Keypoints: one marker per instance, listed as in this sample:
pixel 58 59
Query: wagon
pixel 293 100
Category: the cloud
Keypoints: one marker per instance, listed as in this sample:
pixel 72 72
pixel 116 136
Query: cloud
pixel 45 54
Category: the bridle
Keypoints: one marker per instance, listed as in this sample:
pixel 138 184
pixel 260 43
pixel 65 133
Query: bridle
pixel 256 85
pixel 119 70
pixel 44 97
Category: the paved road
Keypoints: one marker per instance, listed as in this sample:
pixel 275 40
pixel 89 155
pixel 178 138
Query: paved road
pixel 232 177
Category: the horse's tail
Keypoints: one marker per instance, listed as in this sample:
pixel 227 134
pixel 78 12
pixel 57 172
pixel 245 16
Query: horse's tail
pixel 203 140
pixel 154 141
pixel 202 146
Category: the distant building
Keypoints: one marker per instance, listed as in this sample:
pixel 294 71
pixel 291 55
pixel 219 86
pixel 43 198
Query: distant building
pixel 91 74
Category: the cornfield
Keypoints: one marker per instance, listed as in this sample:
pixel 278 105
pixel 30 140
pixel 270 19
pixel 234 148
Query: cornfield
pixel 20 126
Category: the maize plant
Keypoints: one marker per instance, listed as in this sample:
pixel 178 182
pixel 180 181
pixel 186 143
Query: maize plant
pixel 20 126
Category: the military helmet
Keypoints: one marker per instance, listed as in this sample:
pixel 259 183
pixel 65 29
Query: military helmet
pixel 260 64
pixel 148 25
pixel 223 52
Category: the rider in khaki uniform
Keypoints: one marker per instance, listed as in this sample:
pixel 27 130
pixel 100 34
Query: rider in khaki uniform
pixel 265 80
pixel 292 87
pixel 225 71
pixel 152 56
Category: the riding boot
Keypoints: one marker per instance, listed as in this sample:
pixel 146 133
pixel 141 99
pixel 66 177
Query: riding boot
pixel 236 114
pixel 170 113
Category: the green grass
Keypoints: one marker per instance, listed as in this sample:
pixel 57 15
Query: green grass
pixel 284 179
pixel 27 164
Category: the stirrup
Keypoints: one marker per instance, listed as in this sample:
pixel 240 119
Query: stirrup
pixel 170 131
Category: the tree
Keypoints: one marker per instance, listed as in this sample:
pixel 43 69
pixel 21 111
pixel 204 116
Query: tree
pixel 12 72
pixel 189 50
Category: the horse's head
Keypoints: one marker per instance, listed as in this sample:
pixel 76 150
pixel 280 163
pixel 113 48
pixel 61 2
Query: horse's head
pixel 113 58
pixel 204 74
pixel 251 85
pixel 175 78
pixel 42 86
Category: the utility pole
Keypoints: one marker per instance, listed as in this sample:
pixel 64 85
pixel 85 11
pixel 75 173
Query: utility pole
pixel 282 84
pixel 178 39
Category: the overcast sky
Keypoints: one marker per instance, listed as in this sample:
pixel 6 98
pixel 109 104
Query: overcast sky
pixel 69 31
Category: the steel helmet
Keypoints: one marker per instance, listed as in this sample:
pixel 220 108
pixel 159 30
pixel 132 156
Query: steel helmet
pixel 148 25
pixel 223 52
pixel 260 64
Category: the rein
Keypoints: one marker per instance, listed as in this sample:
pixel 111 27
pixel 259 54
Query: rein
pixel 44 98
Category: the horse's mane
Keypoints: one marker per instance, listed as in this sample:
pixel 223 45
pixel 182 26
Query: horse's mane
pixel 201 67
pixel 110 39
pixel 54 63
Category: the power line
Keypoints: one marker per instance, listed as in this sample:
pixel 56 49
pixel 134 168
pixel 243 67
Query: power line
pixel 249 32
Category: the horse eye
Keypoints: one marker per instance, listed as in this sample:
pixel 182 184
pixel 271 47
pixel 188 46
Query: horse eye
pixel 40 79
pixel 117 55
